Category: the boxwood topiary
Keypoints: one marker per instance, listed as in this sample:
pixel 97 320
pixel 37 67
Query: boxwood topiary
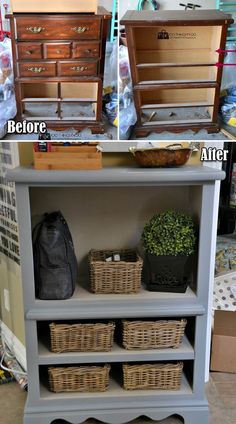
pixel 169 233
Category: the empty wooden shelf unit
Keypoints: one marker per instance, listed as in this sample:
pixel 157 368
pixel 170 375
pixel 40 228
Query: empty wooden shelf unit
pixel 175 67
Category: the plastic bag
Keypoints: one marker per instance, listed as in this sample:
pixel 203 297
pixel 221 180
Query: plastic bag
pixel 7 93
pixel 113 63
pixel 128 116
pixel 229 72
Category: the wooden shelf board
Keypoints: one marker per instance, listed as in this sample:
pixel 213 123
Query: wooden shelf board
pixel 81 100
pixel 116 392
pixel 54 99
pixel 181 121
pixel 186 81
pixel 170 105
pixel 171 49
pixel 174 65
pixel 84 304
pixel 80 118
pixel 40 100
pixel 117 354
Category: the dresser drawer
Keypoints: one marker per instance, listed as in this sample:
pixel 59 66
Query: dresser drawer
pixel 78 68
pixel 86 49
pixel 57 50
pixel 58 28
pixel 28 51
pixel 37 69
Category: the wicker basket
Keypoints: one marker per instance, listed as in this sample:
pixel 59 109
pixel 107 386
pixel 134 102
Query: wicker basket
pixel 82 337
pixel 152 376
pixel 153 334
pixel 115 277
pixel 79 379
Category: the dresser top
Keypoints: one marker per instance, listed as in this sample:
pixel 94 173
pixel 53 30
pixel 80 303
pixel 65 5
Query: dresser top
pixel 176 17
pixel 101 11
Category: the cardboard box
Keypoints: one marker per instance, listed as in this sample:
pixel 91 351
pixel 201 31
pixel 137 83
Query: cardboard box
pixel 223 357
pixel 59 6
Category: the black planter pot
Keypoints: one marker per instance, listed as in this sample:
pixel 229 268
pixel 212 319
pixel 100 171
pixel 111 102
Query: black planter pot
pixel 167 273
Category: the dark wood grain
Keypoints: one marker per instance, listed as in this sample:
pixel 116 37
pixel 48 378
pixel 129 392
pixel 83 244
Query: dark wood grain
pixel 60 28
pixel 29 51
pixel 45 49
pixel 37 69
pixel 57 50
pixel 77 68
pixel 176 17
pixel 86 49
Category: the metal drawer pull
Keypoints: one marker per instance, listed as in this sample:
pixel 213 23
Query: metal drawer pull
pixel 29 52
pixel 80 29
pixel 91 51
pixel 36 70
pixel 35 30
pixel 79 68
pixel 58 51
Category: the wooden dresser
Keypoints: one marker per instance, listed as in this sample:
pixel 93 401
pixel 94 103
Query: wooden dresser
pixel 59 68
pixel 173 57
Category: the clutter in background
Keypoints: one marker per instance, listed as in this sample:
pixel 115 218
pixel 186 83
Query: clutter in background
pixel 225 254
pixel 10 369
pixel 7 96
pixel 110 92
pixel 225 292
pixel 128 115
pixel 228 87
pixel 223 358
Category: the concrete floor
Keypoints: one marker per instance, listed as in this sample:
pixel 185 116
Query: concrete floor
pixel 221 392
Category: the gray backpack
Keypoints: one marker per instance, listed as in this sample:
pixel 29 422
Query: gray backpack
pixel 55 264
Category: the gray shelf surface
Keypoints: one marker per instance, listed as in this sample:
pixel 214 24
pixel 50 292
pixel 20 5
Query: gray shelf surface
pixel 86 305
pixel 117 176
pixel 117 354
pixel 116 392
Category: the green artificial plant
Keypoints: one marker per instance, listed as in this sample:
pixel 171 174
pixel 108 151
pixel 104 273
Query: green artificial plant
pixel 169 233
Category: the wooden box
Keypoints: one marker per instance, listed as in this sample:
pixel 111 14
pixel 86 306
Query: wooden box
pixel 176 69
pixel 59 6
pixel 81 157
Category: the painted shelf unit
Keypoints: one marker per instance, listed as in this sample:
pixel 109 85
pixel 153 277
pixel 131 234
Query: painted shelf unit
pixel 59 64
pixel 173 61
pixel 110 207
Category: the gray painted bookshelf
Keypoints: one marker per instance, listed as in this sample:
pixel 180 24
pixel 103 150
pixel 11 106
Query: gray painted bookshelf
pixel 108 208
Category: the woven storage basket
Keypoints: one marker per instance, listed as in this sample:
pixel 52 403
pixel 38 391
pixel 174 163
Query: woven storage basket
pixel 152 376
pixel 153 334
pixel 79 379
pixel 115 277
pixel 82 337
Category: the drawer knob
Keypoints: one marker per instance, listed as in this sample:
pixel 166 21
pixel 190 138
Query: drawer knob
pixel 36 70
pixel 79 68
pixel 35 30
pixel 80 30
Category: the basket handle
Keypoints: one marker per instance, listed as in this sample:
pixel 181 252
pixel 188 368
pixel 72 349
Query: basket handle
pixel 173 146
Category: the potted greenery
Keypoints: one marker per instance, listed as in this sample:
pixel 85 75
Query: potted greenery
pixel 169 240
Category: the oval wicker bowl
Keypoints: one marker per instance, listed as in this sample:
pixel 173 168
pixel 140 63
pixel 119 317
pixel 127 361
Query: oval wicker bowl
pixel 165 157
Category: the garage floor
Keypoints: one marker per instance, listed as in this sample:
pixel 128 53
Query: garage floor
pixel 220 391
